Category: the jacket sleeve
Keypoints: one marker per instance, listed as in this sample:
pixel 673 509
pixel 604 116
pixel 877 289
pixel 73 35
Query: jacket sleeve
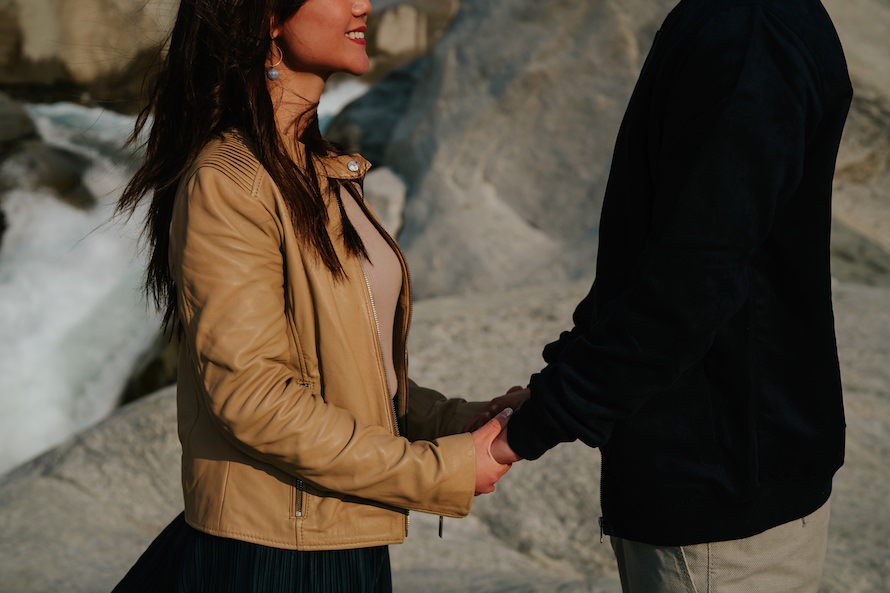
pixel 728 147
pixel 431 415
pixel 228 265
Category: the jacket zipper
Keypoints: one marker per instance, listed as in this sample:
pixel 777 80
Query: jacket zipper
pixel 392 403
pixel 298 503
pixel 407 275
pixel 404 330
pixel 298 483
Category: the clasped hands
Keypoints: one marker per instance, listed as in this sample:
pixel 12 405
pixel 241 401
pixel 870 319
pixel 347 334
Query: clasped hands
pixel 493 454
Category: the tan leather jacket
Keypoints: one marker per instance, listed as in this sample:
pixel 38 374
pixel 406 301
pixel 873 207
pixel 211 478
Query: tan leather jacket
pixel 289 435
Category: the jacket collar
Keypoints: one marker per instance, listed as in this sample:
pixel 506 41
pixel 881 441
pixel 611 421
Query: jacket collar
pixel 344 166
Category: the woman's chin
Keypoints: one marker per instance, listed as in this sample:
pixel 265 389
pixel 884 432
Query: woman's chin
pixel 359 68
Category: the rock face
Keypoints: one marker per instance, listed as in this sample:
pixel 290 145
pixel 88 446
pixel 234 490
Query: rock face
pixel 506 142
pixel 504 136
pixel 97 46
pixel 401 30
pixel 546 510
pixel 862 181
pixel 120 479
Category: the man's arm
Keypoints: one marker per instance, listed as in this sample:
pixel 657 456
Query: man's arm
pixel 730 150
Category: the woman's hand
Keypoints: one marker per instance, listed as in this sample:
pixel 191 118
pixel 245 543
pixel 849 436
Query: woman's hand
pixel 501 451
pixel 489 471
pixel 514 398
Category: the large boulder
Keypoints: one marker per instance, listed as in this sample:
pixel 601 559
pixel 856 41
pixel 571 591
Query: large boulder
pixel 57 47
pixel 72 518
pixel 504 134
pixel 506 141
pixel 862 181
pixel 503 137
pixel 402 30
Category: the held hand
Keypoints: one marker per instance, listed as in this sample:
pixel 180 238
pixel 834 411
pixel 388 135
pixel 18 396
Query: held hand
pixel 514 398
pixel 489 471
pixel 501 451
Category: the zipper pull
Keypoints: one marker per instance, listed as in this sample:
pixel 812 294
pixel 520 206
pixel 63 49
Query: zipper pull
pixel 441 525
pixel 601 522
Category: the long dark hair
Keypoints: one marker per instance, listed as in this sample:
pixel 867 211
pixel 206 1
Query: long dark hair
pixel 211 80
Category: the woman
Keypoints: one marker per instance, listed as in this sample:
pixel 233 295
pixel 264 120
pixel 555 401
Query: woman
pixel 304 443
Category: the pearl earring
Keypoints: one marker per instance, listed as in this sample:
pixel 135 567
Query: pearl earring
pixel 272 71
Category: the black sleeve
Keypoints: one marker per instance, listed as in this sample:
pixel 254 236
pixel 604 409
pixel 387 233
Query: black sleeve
pixel 731 147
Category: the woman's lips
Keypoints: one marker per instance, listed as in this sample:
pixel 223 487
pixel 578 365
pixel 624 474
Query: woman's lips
pixel 357 35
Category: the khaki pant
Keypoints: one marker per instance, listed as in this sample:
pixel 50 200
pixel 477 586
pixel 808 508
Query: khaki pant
pixel 784 559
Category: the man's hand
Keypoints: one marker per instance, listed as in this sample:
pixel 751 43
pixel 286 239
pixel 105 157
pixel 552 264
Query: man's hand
pixel 513 398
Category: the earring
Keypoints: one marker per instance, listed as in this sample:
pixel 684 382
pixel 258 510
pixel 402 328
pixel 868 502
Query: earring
pixel 272 71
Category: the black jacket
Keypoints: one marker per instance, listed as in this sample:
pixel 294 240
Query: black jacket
pixel 703 362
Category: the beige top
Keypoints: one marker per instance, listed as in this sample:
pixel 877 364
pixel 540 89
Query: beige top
pixel 384 275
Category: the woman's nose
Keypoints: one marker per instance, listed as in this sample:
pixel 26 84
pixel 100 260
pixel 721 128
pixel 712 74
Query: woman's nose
pixel 361 7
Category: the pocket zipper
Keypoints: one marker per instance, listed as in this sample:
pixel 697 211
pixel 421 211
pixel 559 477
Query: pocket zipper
pixel 298 502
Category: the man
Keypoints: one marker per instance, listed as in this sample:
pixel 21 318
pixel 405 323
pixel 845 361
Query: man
pixel 703 362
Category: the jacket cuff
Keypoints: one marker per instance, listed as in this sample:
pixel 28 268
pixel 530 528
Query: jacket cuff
pixel 453 495
pixel 532 430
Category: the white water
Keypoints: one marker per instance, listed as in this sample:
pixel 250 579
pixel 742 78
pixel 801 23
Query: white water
pixel 73 319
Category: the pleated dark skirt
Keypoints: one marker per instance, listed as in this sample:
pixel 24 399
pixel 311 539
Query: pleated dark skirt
pixel 184 560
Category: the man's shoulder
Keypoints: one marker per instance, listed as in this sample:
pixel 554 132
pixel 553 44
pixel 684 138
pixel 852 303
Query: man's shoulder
pixel 802 26
pixel 698 13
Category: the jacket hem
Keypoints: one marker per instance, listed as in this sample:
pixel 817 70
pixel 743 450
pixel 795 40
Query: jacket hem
pixel 345 544
pixel 709 521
